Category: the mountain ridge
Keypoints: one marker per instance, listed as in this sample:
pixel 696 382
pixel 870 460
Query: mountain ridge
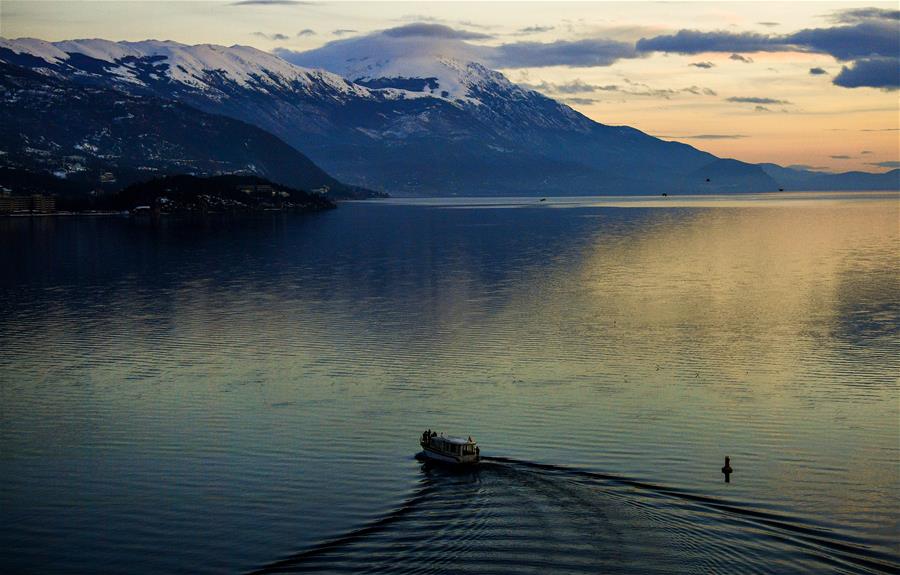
pixel 87 134
pixel 483 136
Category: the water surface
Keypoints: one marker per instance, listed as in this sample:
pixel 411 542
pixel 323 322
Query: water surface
pixel 239 395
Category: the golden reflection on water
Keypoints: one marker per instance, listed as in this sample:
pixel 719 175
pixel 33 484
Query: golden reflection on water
pixel 784 320
pixel 748 277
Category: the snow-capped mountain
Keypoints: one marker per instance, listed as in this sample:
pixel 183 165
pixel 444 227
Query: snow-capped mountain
pixel 74 137
pixel 407 117
pixel 442 69
pixel 152 62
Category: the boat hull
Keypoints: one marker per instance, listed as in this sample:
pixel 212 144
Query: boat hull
pixel 447 458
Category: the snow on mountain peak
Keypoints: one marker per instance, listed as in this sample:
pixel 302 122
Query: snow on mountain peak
pixel 34 47
pixel 449 61
pixel 182 63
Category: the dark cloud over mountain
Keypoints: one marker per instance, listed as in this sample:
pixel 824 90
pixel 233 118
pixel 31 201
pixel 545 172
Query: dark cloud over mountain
pixel 423 29
pixel 575 53
pixel 275 36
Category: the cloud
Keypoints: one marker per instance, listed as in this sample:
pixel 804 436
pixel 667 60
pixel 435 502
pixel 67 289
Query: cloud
pixel 865 152
pixel 592 52
pixel 862 40
pixel 769 24
pixel 630 89
pixel 755 100
pixel 879 129
pixel 859 40
pixel 580 101
pixel 273 37
pixel 427 30
pixel 861 14
pixel 704 65
pixel 574 53
pixel 761 109
pixel 850 42
pixel 306 32
pixel 869 39
pixel 343 31
pixel 890 164
pixel 426 18
pixel 697 91
pixel 840 157
pixel 881 73
pixel 696 42
pixel 574 87
pixel 739 58
pixel 817 71
pixel 534 30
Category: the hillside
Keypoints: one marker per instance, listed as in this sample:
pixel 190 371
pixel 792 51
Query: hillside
pixel 101 138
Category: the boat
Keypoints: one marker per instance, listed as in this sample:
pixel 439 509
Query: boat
pixel 447 449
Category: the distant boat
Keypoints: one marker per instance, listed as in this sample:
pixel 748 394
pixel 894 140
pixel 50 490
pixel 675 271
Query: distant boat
pixel 453 450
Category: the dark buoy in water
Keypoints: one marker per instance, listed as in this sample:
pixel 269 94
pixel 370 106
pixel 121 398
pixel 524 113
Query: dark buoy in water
pixel 543 199
pixel 665 195
pixel 727 470
pixel 780 189
pixel 707 179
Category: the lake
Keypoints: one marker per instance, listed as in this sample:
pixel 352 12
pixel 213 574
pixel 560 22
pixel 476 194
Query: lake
pixel 246 394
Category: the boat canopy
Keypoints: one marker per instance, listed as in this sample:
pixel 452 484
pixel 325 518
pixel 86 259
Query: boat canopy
pixel 455 440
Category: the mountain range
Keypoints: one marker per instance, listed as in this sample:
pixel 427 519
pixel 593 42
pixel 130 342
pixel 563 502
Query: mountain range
pixel 79 133
pixel 404 123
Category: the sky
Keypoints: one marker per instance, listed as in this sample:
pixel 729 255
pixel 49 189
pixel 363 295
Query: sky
pixel 811 84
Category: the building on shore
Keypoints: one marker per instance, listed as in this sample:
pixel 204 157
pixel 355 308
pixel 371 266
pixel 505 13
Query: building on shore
pixel 258 190
pixel 33 204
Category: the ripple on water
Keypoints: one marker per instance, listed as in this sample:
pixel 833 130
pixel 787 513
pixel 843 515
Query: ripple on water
pixel 508 516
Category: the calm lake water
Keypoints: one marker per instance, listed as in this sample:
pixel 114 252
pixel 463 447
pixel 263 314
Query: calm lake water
pixel 246 394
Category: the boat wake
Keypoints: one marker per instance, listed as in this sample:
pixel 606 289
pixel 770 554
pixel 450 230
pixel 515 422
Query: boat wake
pixel 512 516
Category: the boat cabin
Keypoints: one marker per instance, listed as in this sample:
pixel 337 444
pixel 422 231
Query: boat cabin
pixel 449 449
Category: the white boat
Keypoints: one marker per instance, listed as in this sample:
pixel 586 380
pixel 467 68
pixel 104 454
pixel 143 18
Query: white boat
pixel 446 449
